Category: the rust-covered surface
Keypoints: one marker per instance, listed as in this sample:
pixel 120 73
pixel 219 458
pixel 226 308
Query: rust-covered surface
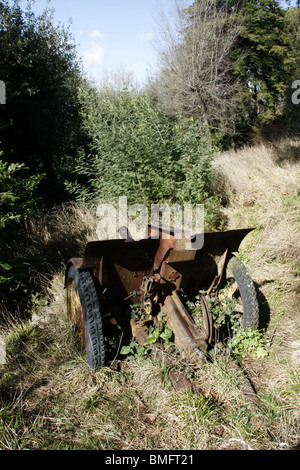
pixel 75 311
pixel 153 270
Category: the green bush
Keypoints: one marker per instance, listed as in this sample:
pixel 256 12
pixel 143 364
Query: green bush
pixel 16 203
pixel 253 344
pixel 140 153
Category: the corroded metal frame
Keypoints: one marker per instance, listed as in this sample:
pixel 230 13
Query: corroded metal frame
pixel 154 270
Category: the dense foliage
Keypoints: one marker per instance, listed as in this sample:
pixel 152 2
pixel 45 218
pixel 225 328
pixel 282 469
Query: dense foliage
pixel 40 122
pixel 16 202
pixel 268 61
pixel 138 152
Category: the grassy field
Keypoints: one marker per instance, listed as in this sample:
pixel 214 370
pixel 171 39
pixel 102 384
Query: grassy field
pixel 50 399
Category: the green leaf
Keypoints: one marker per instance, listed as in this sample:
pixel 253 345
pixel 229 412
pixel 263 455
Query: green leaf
pixel 5 279
pixel 6 266
pixel 153 337
pixel 126 350
pixel 166 335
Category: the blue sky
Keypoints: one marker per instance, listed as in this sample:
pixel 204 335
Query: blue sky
pixel 111 34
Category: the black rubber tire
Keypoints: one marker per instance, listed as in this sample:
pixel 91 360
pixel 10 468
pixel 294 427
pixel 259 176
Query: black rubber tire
pixel 247 292
pixel 95 344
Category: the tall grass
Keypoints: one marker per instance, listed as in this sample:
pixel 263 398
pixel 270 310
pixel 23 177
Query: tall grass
pixel 265 195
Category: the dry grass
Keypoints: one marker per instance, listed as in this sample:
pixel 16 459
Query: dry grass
pixel 265 196
pixel 62 404
pixel 61 233
pixel 252 172
pixel 264 193
pixel 50 399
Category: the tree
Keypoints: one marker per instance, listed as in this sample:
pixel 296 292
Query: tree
pixel 138 152
pixel 40 124
pixel 17 201
pixel 264 44
pixel 292 110
pixel 229 63
pixel 196 76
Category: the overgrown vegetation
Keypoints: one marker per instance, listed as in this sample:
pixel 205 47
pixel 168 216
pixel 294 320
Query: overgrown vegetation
pixel 94 145
pixel 40 125
pixel 16 203
pixel 138 152
pixel 46 384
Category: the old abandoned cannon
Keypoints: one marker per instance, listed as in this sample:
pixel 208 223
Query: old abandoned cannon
pixel 152 272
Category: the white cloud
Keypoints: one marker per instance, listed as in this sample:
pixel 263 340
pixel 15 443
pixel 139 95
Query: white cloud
pixel 150 36
pixel 94 56
pixel 97 34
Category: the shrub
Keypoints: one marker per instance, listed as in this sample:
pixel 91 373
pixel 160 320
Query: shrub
pixel 16 203
pixel 138 152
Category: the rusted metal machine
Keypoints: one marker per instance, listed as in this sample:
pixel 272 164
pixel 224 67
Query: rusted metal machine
pixel 114 274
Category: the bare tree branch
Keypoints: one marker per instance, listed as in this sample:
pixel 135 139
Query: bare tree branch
pixel 197 60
